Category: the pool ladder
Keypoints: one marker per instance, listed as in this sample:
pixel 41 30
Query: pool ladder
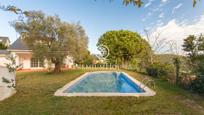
pixel 147 81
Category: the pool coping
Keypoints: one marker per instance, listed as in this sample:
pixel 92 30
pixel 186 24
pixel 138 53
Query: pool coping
pixel 147 90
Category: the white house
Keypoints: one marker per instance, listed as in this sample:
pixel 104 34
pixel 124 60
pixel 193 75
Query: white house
pixel 23 56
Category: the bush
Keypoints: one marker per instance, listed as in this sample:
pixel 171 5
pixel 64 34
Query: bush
pixel 158 69
pixel 198 85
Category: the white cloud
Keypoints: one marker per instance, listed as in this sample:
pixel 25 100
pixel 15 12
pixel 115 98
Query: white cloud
pixel 149 14
pixel 161 15
pixel 164 1
pixel 148 4
pixel 176 7
pixel 144 19
pixel 156 9
pixel 178 31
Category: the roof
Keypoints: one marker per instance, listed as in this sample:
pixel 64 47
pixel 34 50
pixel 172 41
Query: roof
pixel 4 39
pixel 4 52
pixel 18 45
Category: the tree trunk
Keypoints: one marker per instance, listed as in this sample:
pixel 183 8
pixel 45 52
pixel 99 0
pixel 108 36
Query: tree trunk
pixel 151 58
pixel 177 74
pixel 57 68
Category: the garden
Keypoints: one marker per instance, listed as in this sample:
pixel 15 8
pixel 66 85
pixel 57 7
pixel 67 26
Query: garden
pixel 36 96
pixel 58 53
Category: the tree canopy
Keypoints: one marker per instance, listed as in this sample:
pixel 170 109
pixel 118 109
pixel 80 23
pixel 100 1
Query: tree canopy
pixel 52 39
pixel 194 45
pixel 195 48
pixel 124 46
pixel 2 46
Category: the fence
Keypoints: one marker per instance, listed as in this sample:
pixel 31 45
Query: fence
pixel 99 66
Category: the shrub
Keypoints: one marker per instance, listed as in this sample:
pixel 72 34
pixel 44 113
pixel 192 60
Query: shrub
pixel 158 69
pixel 198 85
pixel 186 80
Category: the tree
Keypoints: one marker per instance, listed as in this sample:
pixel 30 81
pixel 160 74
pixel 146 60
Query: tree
pixel 159 45
pixel 195 48
pixel 190 46
pixel 79 50
pixel 134 2
pixel 15 10
pixel 177 63
pixel 48 37
pixel 2 46
pixel 124 46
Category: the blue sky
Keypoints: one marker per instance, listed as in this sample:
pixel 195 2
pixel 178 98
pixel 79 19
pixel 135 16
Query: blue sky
pixel 100 16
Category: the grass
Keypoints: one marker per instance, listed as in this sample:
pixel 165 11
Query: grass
pixel 36 89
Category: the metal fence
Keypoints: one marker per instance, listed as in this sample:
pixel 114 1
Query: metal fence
pixel 99 66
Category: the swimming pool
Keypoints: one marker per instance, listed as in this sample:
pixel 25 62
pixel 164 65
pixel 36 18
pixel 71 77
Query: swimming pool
pixel 105 84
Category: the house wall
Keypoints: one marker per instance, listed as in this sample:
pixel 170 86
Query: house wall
pixel 69 62
pixel 24 59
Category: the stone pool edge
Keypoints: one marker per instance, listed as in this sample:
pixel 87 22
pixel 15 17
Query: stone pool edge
pixel 148 91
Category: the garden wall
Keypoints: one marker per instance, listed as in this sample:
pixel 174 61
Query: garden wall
pixel 7 81
pixel 3 60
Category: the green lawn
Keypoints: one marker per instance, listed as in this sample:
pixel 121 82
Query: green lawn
pixel 35 97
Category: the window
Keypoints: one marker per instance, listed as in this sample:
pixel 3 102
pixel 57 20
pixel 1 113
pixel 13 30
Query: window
pixel 35 62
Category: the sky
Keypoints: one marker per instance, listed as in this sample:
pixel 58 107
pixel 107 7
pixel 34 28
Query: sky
pixel 173 19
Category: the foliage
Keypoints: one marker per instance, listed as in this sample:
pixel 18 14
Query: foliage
pixel 190 46
pixel 2 46
pixel 195 48
pixel 89 59
pixel 199 65
pixel 194 2
pixel 10 82
pixel 12 66
pixel 134 2
pixel 134 65
pixel 14 9
pixel 158 69
pixel 124 46
pixel 198 85
pixel 79 46
pixel 52 39
pixel 5 80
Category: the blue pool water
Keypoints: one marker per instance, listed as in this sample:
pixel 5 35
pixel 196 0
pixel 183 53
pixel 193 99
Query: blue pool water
pixel 109 82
